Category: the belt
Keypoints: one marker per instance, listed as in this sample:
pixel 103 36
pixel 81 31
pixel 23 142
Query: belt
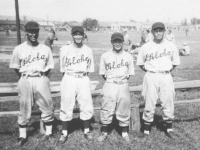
pixel 33 75
pixel 76 75
pixel 117 82
pixel 163 72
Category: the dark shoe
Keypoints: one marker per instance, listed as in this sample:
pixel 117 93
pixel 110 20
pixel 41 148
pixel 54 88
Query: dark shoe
pixel 102 137
pixel 21 141
pixel 171 134
pixel 62 139
pixel 88 136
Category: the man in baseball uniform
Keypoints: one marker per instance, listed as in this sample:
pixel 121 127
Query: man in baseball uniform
pixel 170 37
pixel 127 41
pixel 32 62
pixel 76 61
pixel 116 66
pixel 50 38
pixel 158 58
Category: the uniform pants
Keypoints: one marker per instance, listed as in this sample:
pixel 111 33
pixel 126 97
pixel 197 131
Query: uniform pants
pixel 34 89
pixel 73 88
pixel 115 97
pixel 158 86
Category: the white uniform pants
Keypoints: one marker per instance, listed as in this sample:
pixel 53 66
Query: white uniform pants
pixel 73 88
pixel 116 97
pixel 158 86
pixel 34 89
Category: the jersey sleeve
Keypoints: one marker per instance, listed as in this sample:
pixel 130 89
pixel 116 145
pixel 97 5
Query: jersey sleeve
pixel 91 65
pixel 62 60
pixel 15 60
pixel 141 57
pixel 50 61
pixel 175 56
pixel 102 70
pixel 131 66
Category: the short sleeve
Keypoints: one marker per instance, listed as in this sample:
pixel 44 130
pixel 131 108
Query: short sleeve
pixel 131 66
pixel 91 65
pixel 175 56
pixel 141 57
pixel 50 63
pixel 15 60
pixel 61 59
pixel 102 70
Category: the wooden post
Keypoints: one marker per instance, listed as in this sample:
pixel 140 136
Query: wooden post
pixel 135 118
pixel 17 22
pixel 42 130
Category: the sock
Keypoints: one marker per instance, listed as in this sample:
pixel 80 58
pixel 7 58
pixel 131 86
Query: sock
pixel 65 125
pixel 22 132
pixel 86 130
pixel 124 131
pixel 147 126
pixel 169 125
pixel 64 132
pixel 105 129
pixel 86 125
pixel 48 129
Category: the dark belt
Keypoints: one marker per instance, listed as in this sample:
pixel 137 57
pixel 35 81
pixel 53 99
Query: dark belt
pixel 163 72
pixel 33 75
pixel 76 75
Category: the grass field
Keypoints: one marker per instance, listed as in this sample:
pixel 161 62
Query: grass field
pixel 188 130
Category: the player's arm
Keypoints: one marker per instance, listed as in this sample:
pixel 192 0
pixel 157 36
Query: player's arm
pixel 47 72
pixel 104 77
pixel 143 68
pixel 18 73
pixel 174 66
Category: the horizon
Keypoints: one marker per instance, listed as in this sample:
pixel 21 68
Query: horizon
pixel 105 11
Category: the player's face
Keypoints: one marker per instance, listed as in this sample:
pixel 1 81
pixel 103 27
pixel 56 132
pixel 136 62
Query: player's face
pixel 117 44
pixel 32 34
pixel 78 37
pixel 158 34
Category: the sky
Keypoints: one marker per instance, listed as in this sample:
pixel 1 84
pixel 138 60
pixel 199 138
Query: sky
pixel 168 11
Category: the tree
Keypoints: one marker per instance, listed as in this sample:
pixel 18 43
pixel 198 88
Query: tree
pixel 193 21
pixel 184 22
pixel 89 23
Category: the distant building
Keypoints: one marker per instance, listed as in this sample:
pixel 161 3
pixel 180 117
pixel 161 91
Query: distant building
pixel 46 25
pixel 129 26
pixel 11 24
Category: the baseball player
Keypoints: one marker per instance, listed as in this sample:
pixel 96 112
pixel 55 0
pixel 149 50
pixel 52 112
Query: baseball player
pixel 158 58
pixel 32 62
pixel 76 61
pixel 51 37
pixel 116 66
pixel 170 37
pixel 127 41
pixel 184 50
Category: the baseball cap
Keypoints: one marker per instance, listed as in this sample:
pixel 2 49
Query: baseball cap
pixel 158 25
pixel 77 28
pixel 32 25
pixel 117 35
pixel 52 30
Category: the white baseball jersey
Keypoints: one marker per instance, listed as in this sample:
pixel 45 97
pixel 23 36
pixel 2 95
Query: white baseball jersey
pixel 170 37
pixel 158 57
pixel 76 60
pixel 116 66
pixel 31 60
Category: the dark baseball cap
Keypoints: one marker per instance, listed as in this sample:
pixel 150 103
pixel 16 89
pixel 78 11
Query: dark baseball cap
pixel 32 25
pixel 77 28
pixel 158 25
pixel 117 35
